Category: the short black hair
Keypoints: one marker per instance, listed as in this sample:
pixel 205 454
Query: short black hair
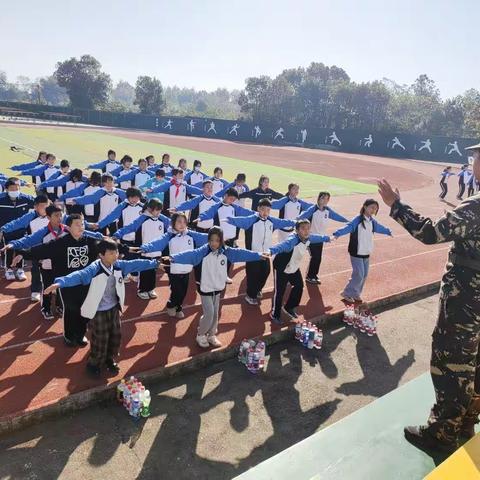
pixel 51 209
pixel 303 221
pixel 241 177
pixel 40 154
pixel 50 155
pixel 148 157
pixel 206 182
pixel 154 204
pixel 165 155
pixel 160 172
pixel 107 176
pixel 215 230
pixel 323 194
pixel 111 152
pixel 72 217
pixel 176 171
pixel 76 173
pixel 133 192
pixel 106 244
pixel 11 181
pixel 196 163
pixel 64 164
pixel 96 177
pixel 176 216
pixel 140 160
pixel 41 199
pixel 231 192
pixel 217 169
pixel 264 202
pixel 126 158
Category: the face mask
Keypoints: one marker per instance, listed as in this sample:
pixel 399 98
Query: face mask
pixel 14 194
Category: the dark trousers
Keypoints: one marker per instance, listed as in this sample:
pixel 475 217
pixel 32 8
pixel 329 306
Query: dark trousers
pixel 471 190
pixel 461 190
pixel 178 289
pixel 257 274
pixel 202 230
pixel 444 188
pixel 316 250
pixel 74 325
pixel 131 255
pixel 47 279
pixel 148 279
pixel 230 243
pixel 11 253
pixel 106 336
pixel 36 286
pixel 281 279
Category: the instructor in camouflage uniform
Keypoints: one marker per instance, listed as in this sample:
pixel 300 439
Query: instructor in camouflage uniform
pixel 455 361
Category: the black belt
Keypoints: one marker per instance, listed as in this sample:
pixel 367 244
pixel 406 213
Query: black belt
pixel 471 263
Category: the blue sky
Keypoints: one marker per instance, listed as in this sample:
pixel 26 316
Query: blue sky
pixel 210 43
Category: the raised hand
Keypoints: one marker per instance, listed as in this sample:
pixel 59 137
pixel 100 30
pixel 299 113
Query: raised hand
pixel 389 196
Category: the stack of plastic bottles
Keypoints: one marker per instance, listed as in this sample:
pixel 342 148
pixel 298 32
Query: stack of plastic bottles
pixel 252 355
pixel 309 335
pixel 364 320
pixel 134 397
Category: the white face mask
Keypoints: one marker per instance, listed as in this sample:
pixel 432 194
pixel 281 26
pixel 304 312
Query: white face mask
pixel 15 194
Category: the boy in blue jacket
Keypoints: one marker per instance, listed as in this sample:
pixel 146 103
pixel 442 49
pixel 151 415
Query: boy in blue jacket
pixel 286 267
pixel 137 176
pixel 106 166
pixel 44 172
pixel 104 302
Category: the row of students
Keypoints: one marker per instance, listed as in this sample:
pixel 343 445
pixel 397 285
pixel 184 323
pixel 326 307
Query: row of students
pixel 466 181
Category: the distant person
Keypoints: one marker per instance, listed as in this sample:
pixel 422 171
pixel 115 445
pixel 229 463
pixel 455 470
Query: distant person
pixel 447 172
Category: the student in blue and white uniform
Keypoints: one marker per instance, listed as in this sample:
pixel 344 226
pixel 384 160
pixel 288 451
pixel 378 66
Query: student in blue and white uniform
pixel 196 176
pixel 151 165
pixel 150 225
pixel 148 187
pixel 104 302
pixel 240 186
pixel 28 224
pixel 447 172
pixel 319 215
pixel 470 183
pixel 4 180
pixel 286 269
pixel 137 176
pixel 13 204
pixel 219 183
pixel 212 276
pixel 177 239
pixel 41 159
pixel 182 165
pixel 290 207
pixel 259 229
pixel 87 187
pixel 198 205
pixel 106 166
pixel 463 176
pixel 44 172
pixel 166 166
pixel 360 247
pixel 126 167
pixel 104 200
pixel 64 183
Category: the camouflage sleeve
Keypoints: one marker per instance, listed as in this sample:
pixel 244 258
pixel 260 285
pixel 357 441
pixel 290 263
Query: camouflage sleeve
pixel 460 223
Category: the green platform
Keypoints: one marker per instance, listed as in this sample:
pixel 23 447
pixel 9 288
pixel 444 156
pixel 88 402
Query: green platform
pixel 367 445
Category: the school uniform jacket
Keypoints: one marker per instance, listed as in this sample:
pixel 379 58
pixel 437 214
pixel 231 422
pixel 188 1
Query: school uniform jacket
pixel 290 252
pixel 96 276
pixel 106 166
pixel 462 177
pixel 13 209
pixel 198 205
pixel 174 242
pixel 166 167
pixel 172 197
pixel 319 218
pixel 62 183
pixel 195 177
pixel 239 188
pixel 125 213
pixel 290 208
pixel 212 271
pixel 257 194
pixel 146 229
pixel 136 176
pixel 444 176
pixel 26 224
pixel 42 173
pixel 103 202
pixel 220 213
pixel 219 184
pixel 27 166
pixel 259 231
pixel 3 181
pixel 361 237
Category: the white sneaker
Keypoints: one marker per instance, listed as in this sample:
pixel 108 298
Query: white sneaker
pixel 10 275
pixel 214 341
pixel 180 314
pixel 250 300
pixel 35 296
pixel 20 275
pixel 127 279
pixel 171 312
pixel 152 294
pixel 229 281
pixel 202 341
pixel 143 295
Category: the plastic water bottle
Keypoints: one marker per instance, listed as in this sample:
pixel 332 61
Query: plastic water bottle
pixel 311 338
pixel 127 393
pixel 241 351
pixel 136 406
pixel 261 352
pixel 256 362
pixel 146 404
pixel 120 389
pixel 298 331
pixel 317 343
pixel 250 358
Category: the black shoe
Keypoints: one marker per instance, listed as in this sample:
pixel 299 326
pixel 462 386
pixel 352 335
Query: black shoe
pixel 422 439
pixel 68 342
pixel 112 366
pixel 291 312
pixel 275 320
pixel 93 370
pixel 83 342
pixel 313 280
pixel 47 314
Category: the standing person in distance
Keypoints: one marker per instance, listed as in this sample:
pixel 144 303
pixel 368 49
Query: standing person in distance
pixel 262 191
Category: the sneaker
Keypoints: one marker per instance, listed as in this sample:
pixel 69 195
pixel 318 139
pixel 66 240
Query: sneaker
pixel 203 341
pixel 274 319
pixel 20 275
pixel 127 279
pixel 229 281
pixel 313 280
pixel 143 295
pixel 152 294
pixel 290 312
pixel 214 341
pixel 422 439
pixel 180 314
pixel 83 342
pixel 259 295
pixel 10 275
pixel 35 296
pixel 112 366
pixel 250 300
pixel 348 299
pixel 47 314
pixel 172 312
pixel 93 370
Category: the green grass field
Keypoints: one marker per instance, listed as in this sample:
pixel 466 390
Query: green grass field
pixel 82 148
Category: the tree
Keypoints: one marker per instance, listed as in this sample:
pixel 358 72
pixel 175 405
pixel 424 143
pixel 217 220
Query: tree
pixel 51 92
pixel 123 93
pixel 86 85
pixel 149 95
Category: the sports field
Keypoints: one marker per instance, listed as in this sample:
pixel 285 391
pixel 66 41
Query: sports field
pixel 82 148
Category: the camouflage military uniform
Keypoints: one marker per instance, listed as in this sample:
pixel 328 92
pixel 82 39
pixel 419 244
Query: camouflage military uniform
pixel 455 361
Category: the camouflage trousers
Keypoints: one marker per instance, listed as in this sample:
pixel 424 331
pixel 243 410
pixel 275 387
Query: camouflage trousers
pixel 455 361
